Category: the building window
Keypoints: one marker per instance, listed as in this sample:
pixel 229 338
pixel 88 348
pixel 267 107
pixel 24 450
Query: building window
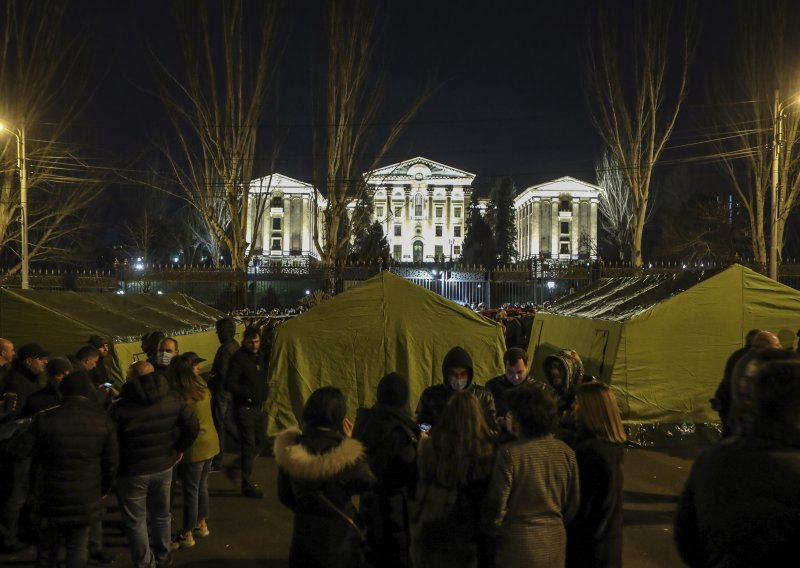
pixel 457 250
pixel 398 252
pixel 457 212
pixel 418 205
pixel 417 251
pixel 276 223
pixel 439 212
pixel 457 231
pixel 398 230
pixel 379 211
pixel 564 248
pixel 277 202
pixel 565 227
pixel 398 211
pixel 276 244
pixel 438 230
pixel 565 205
pixel 438 252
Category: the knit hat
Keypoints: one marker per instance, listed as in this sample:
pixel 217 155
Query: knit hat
pixel 59 366
pixel 77 384
pixel 31 350
pixel 97 341
pixel 393 390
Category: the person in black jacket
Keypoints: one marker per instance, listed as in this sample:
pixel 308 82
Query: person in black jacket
pixel 740 504
pixel 516 361
pixel 154 426
pixel 247 383
pixel 319 470
pixel 50 395
pixel 22 380
pixel 594 536
pixel 75 451
pixel 458 374
pixel 220 397
pixel 390 436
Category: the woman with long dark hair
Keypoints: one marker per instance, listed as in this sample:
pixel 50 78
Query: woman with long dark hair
pixel 193 469
pixel 453 465
pixel 534 486
pixel 594 537
pixel 319 470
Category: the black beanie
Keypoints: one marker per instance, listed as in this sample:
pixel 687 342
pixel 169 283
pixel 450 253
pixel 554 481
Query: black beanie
pixel 77 384
pixel 393 390
pixel 226 327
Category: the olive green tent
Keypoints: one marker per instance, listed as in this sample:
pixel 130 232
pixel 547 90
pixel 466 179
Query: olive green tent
pixel 661 341
pixel 382 325
pixel 63 321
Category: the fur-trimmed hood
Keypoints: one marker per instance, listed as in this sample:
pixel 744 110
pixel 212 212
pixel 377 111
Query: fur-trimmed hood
pixel 296 460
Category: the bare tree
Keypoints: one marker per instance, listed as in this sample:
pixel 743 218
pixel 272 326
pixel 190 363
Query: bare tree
pixel 633 108
pixel 215 107
pixel 36 60
pixel 616 204
pixel 352 102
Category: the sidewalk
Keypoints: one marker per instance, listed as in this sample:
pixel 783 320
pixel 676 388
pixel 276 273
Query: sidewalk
pixel 256 532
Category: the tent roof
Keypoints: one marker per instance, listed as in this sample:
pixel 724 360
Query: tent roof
pixel 122 317
pixel 382 325
pixel 620 299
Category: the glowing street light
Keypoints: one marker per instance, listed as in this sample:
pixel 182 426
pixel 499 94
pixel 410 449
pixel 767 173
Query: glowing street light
pixel 777 131
pixel 23 200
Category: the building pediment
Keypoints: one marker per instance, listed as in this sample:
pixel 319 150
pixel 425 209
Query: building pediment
pixel 417 169
pixel 566 185
pixel 276 181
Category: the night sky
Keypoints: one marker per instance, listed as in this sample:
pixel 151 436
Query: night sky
pixel 510 77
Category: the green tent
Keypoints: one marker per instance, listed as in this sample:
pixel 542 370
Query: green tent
pixel 382 325
pixel 63 321
pixel 661 341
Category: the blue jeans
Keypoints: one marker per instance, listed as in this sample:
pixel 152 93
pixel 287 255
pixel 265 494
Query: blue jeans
pixel 142 497
pixel 194 477
pixel 76 540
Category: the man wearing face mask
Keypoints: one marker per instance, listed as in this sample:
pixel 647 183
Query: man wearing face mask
pixel 457 372
pixel 167 351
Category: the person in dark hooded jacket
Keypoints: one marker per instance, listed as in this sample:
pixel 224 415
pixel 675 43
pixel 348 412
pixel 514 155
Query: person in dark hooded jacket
pixel 155 427
pixel 390 436
pixel 564 372
pixel 319 470
pixel 220 397
pixel 75 451
pixel 457 373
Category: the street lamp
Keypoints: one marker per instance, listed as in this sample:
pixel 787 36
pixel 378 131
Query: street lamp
pixel 777 131
pixel 23 199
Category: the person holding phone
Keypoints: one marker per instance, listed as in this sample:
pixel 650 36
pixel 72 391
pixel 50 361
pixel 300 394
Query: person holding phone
pixel 50 395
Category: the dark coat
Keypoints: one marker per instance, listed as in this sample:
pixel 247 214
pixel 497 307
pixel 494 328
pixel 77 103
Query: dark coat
pixel 221 364
pixel 513 333
pixel 390 438
pixel 722 397
pixel 594 537
pixel 154 425
pixel 434 398
pixel 22 381
pixel 247 377
pixel 75 450
pixel 499 386
pixel 741 504
pixel 48 397
pixel 318 473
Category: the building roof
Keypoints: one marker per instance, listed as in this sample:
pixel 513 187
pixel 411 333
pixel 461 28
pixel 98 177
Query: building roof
pixel 556 187
pixel 407 169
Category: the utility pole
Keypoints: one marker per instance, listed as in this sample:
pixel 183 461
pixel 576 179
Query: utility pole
pixel 775 193
pixel 23 201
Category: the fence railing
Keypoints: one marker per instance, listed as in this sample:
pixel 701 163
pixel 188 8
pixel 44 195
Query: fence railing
pixel 283 286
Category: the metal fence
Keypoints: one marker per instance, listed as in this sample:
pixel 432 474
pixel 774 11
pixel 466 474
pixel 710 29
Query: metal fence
pixel 269 287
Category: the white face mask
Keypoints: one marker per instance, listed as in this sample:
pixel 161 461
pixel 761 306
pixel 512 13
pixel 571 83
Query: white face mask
pixel 164 359
pixel 458 384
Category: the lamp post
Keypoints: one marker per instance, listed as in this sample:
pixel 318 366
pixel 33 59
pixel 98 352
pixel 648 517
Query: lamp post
pixel 23 199
pixel 777 131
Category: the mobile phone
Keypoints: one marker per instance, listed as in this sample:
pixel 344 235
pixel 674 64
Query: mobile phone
pixel 10 401
pixel 424 427
pixel 107 385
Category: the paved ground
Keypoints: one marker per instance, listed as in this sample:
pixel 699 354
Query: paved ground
pixel 248 533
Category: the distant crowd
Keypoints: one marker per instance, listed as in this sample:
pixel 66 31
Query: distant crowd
pixel 519 472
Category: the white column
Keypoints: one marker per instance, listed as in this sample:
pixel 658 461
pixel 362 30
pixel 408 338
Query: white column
pixel 555 228
pixel 593 227
pixel 535 237
pixel 575 228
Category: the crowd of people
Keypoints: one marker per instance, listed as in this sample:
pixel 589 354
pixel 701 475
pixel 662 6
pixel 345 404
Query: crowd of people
pixel 519 472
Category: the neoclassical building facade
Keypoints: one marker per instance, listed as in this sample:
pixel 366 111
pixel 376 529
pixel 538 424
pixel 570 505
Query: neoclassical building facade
pixel 558 220
pixel 423 207
pixel 291 211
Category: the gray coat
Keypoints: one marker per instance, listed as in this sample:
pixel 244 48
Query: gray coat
pixel 534 490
